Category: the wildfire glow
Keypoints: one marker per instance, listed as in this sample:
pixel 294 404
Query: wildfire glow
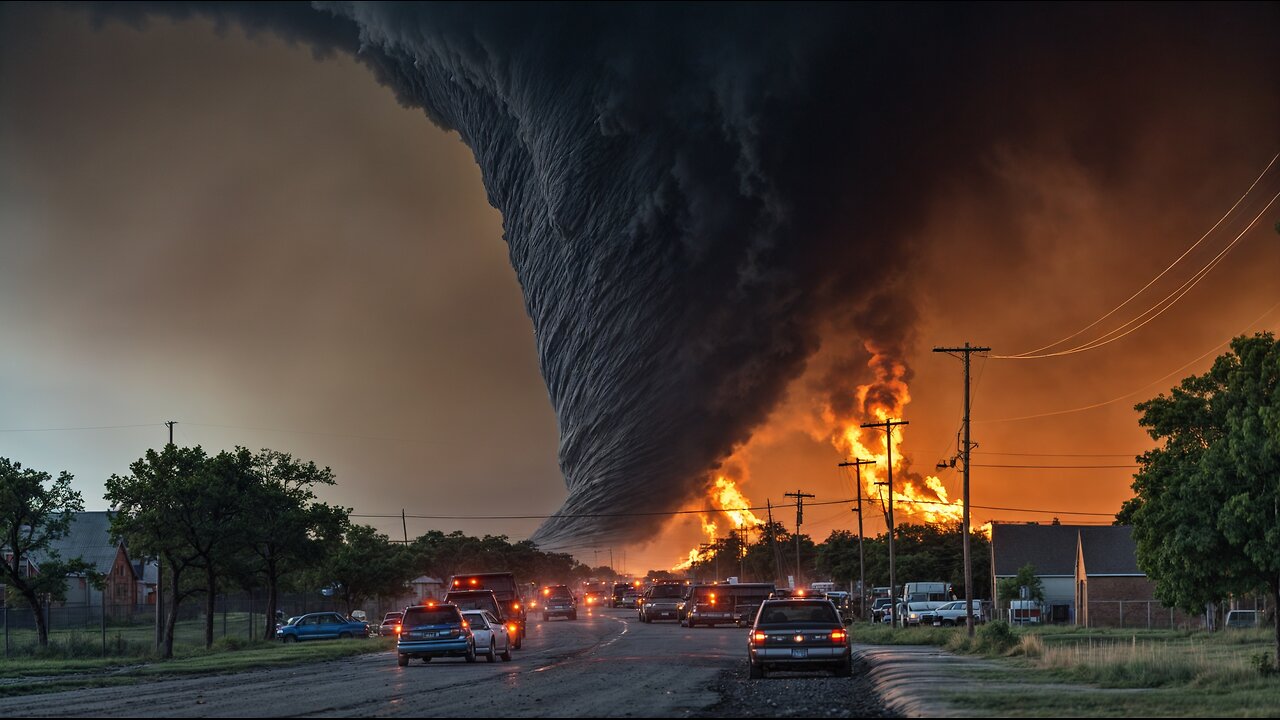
pixel 725 497
pixel 884 399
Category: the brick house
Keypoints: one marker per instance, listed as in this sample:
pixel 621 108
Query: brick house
pixel 89 538
pixel 1090 574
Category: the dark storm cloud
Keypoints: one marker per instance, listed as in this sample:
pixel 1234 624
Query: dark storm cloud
pixel 693 195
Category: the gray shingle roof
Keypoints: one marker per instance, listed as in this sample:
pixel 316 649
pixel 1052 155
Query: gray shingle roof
pixel 88 539
pixel 1050 548
pixel 1108 549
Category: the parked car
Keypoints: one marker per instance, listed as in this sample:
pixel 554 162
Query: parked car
pixel 432 631
pixel 798 634
pixel 557 600
pixel 660 602
pixel 321 626
pixel 916 614
pixel 953 613
pixel 1239 619
pixel 493 637
pixel 390 624
pixel 879 607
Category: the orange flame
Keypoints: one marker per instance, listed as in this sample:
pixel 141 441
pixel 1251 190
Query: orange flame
pixel 885 398
pixel 726 498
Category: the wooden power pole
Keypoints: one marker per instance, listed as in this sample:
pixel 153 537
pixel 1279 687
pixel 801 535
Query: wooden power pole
pixel 862 573
pixel 888 426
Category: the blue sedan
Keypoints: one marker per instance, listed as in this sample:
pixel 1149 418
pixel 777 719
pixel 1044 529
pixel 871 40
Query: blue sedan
pixel 321 626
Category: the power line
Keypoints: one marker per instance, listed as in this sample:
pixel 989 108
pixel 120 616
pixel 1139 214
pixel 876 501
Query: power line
pixel 1158 380
pixel 1162 272
pixel 89 427
pixel 988 452
pixel 1059 467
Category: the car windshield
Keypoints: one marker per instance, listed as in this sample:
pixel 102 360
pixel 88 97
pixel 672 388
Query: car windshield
pixel 666 591
pixel 417 617
pixel 560 593
pixel 474 603
pixel 476 620
pixel 792 613
pixel 392 617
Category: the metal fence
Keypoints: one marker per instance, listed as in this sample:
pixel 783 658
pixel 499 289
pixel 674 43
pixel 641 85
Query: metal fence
pixel 130 630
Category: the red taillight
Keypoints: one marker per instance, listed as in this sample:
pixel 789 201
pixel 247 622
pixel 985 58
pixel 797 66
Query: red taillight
pixel 758 637
pixel 515 606
pixel 838 636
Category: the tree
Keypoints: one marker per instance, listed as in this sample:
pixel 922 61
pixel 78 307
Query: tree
pixel 158 513
pixel 285 528
pixel 36 511
pixel 368 565
pixel 1206 510
pixel 1011 588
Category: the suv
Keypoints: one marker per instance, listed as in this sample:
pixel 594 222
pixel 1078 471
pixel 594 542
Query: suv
pixel 798 634
pixel 558 600
pixel 619 590
pixel 880 607
pixel 661 602
pixel 432 631
pixel 708 605
pixel 506 590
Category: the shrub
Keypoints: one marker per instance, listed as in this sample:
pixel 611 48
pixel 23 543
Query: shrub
pixel 995 638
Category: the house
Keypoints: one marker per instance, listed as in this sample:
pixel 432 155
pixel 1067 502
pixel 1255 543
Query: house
pixel 427 588
pixel 1051 549
pixel 1090 574
pixel 89 538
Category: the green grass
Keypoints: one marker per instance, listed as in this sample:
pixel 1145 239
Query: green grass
pixel 28 675
pixel 1057 671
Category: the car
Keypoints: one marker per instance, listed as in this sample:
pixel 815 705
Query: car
pixel 619 589
pixel 746 599
pixel 390 624
pixel 486 600
pixel 557 600
pixel 953 613
pixel 879 607
pixel 321 626
pixel 1239 619
pixel 508 592
pixel 493 637
pixel 798 634
pixel 916 614
pixel 708 605
pixel 593 598
pixel 660 602
pixel 630 599
pixel 432 631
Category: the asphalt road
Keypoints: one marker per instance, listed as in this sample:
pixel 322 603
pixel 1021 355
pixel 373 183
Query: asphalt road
pixel 606 663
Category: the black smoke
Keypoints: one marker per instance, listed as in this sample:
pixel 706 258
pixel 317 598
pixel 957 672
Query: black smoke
pixel 697 196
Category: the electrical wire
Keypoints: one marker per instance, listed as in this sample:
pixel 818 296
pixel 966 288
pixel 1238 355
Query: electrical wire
pixel 90 427
pixel 1158 309
pixel 1158 380
pixel 1162 272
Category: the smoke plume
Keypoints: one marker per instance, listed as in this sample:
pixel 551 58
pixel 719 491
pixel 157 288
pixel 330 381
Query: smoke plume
pixel 697 197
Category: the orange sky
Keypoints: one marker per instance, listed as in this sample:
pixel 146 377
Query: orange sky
pixel 169 255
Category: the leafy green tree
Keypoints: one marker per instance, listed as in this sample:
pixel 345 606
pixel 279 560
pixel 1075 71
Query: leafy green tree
pixel 368 565
pixel 285 528
pixel 1206 510
pixel 35 511
pixel 1011 588
pixel 156 516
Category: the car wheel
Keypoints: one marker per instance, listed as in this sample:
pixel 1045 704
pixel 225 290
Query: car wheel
pixel 288 639
pixel 344 636
pixel 756 672
pixel 948 623
pixel 545 618
pixel 402 660
pixel 519 641
pixel 471 653
pixel 506 654
pixel 573 616
pixel 492 655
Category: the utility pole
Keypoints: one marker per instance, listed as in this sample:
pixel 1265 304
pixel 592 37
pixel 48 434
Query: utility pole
pixel 888 426
pixel 967 350
pixel 799 496
pixel 709 547
pixel 773 540
pixel 404 525
pixel 742 554
pixel 160 573
pixel 862 575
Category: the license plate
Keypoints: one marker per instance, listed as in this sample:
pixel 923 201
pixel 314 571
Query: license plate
pixel 799 653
